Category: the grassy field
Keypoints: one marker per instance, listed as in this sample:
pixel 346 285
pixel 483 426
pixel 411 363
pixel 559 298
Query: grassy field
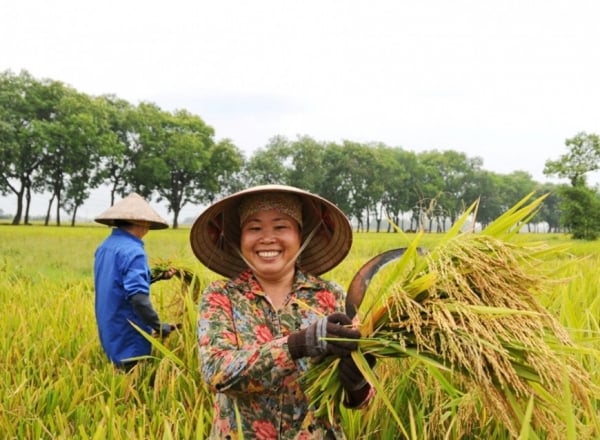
pixel 57 384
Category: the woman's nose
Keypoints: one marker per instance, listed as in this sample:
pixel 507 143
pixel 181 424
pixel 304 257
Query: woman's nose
pixel 267 237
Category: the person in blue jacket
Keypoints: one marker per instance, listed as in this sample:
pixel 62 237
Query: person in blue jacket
pixel 122 282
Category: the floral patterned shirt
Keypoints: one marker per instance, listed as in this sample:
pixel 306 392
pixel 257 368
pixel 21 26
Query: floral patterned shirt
pixel 245 360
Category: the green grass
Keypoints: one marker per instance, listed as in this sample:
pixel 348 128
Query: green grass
pixel 55 382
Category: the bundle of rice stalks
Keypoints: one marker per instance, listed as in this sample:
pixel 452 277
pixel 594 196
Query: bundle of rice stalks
pixel 188 279
pixel 466 310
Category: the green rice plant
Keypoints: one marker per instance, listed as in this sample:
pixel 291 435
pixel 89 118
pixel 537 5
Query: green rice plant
pixel 189 284
pixel 55 382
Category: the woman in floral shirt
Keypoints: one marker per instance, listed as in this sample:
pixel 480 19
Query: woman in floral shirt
pixel 259 328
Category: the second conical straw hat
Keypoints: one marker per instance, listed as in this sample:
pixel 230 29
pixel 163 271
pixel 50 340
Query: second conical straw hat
pixel 132 208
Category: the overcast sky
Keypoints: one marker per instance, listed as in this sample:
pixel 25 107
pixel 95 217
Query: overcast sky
pixel 507 81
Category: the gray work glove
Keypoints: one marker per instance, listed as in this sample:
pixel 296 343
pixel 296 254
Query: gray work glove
pixel 143 307
pixel 165 330
pixel 309 343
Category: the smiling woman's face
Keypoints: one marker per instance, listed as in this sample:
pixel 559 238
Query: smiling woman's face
pixel 270 242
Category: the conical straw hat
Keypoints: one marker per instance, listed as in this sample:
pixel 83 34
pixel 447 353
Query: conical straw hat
pixel 215 235
pixel 132 208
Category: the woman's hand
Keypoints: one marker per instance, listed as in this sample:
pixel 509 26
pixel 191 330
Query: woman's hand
pixel 311 342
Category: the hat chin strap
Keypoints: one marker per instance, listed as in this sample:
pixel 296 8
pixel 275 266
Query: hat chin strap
pixel 308 239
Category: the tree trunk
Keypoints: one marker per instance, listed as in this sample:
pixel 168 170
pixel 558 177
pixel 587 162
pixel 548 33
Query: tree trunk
pixel 58 209
pixel 74 215
pixel 175 218
pixel 27 202
pixel 19 213
pixel 48 211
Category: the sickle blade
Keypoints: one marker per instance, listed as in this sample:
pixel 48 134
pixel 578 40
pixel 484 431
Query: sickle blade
pixel 360 282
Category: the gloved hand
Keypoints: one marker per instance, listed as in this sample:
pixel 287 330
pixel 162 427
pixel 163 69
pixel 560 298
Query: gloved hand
pixel 165 330
pixel 353 381
pixel 158 274
pixel 308 342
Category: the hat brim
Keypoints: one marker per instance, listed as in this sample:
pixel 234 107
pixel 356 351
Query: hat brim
pixel 132 208
pixel 215 234
pixel 112 222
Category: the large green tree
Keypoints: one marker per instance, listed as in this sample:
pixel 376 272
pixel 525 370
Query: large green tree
pixel 578 204
pixel 489 195
pixel 397 173
pixel 178 159
pixel 550 210
pixel 269 165
pixel 361 168
pixel 306 161
pixel 455 185
pixel 430 188
pixel 25 102
pixel 223 174
pixel 118 156
pixel 73 142
pixel 582 157
pixel 581 211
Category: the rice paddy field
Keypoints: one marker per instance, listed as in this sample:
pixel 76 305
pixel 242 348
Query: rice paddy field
pixel 57 384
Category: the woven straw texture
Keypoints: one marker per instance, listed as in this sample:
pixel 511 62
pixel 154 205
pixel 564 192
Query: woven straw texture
pixel 132 208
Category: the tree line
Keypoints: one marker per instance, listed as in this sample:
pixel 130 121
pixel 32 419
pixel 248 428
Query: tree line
pixel 59 141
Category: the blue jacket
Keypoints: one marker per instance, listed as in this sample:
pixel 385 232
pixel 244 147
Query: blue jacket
pixel 120 270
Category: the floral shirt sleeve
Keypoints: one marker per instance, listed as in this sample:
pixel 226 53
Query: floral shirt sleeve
pixel 245 360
